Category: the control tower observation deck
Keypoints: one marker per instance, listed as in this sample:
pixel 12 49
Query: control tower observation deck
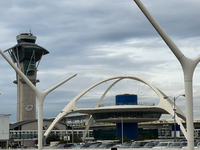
pixel 27 55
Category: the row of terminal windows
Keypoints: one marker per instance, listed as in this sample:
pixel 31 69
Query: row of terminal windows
pixel 108 115
pixel 33 134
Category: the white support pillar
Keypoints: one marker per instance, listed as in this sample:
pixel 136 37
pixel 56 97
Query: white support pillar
pixel 39 94
pixel 188 66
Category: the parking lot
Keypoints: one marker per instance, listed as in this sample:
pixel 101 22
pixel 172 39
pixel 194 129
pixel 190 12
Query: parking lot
pixel 127 145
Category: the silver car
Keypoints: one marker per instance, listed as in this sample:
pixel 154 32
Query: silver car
pixel 163 145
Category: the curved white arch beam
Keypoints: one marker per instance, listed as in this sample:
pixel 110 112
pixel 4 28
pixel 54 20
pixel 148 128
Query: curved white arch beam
pixel 39 94
pixel 91 119
pixel 71 107
pixel 104 94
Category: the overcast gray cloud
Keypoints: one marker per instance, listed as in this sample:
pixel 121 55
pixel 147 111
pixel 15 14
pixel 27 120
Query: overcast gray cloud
pixel 100 39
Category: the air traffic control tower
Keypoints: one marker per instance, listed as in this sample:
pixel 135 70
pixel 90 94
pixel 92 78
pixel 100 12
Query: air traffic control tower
pixel 27 55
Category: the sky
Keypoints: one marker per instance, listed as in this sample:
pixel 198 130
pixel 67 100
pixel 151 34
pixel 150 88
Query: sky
pixel 100 39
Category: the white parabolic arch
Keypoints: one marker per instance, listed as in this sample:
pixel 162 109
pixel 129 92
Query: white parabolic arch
pixel 163 104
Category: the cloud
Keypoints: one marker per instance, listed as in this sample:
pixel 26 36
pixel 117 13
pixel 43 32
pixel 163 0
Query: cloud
pixel 99 39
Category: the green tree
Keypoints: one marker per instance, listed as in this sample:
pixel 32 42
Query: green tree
pixel 139 138
pixel 125 139
pixel 77 139
pixel 51 138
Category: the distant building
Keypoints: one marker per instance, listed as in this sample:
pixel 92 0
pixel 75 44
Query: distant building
pixel 4 130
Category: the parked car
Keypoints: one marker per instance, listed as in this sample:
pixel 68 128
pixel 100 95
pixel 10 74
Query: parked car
pixel 156 142
pixel 65 146
pixel 163 145
pixel 149 145
pixel 94 145
pixel 76 146
pixel 61 146
pixel 196 145
pixel 88 144
pixel 108 145
pixel 185 143
pixel 177 144
pixel 138 144
pixel 126 145
pixel 116 146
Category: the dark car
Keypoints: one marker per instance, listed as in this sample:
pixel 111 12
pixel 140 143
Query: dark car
pixel 65 146
pixel 126 145
pixel 176 145
pixel 60 145
pixel 108 145
pixel 149 145
pixel 68 145
pixel 138 144
pixel 89 144
pixel 76 146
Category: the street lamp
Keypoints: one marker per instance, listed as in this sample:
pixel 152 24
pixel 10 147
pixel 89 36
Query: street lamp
pixel 122 131
pixel 174 98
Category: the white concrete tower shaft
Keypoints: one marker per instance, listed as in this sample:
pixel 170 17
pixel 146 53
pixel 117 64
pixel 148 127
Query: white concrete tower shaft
pixel 26 99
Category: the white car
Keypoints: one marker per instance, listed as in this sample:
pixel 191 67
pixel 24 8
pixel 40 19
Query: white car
pixel 163 145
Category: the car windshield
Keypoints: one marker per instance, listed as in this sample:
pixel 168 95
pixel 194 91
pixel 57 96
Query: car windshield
pixel 117 145
pixel 149 144
pixel 61 145
pixel 102 145
pixel 78 146
pixel 162 144
pixel 126 144
pixel 175 144
pixel 87 144
pixel 136 144
pixel 94 145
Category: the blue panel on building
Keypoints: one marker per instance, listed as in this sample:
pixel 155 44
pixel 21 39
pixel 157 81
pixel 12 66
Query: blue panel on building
pixel 130 130
pixel 126 99
pixel 177 127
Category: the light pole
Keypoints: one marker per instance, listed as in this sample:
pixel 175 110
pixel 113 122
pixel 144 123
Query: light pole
pixel 122 131
pixel 174 98
pixel 72 133
pixel 67 130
